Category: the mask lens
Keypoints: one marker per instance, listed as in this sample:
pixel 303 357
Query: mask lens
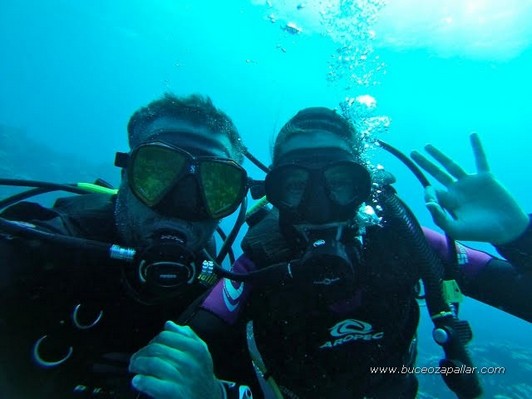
pixel 154 171
pixel 286 186
pixel 346 183
pixel 224 185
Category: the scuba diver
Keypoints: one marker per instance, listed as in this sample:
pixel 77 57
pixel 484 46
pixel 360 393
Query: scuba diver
pixel 325 291
pixel 86 283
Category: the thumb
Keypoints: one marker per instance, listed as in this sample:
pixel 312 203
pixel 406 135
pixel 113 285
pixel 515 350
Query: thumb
pixel 171 326
pixel 176 328
pixel 440 217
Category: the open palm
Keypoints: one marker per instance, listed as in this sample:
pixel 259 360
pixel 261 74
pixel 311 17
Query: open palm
pixel 472 207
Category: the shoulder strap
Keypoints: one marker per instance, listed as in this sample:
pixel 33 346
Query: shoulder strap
pixel 89 216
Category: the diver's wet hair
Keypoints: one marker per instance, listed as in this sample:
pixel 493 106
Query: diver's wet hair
pixel 317 118
pixel 196 109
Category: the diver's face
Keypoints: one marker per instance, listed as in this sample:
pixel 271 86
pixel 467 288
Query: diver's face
pixel 316 180
pixel 136 222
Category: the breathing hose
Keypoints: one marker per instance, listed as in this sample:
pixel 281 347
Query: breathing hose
pixel 449 332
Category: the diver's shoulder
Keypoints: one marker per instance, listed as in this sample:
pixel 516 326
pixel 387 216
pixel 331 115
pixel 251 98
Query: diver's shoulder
pixel 86 202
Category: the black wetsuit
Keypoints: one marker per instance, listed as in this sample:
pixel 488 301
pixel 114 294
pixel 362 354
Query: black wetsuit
pixel 315 350
pixel 57 301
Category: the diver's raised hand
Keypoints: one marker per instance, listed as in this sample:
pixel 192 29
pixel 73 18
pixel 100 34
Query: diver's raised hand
pixel 176 364
pixel 472 207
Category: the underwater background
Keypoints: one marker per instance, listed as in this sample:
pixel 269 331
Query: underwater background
pixel 409 72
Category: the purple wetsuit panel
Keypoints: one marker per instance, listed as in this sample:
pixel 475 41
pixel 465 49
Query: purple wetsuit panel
pixel 226 298
pixel 470 260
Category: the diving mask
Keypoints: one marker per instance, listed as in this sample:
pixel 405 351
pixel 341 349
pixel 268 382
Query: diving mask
pixel 176 183
pixel 323 194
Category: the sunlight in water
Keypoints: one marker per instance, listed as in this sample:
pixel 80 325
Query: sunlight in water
pixel 482 29
pixel 485 29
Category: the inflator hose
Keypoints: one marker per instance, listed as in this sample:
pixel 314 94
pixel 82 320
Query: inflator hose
pixel 24 230
pixel 431 269
pixel 430 266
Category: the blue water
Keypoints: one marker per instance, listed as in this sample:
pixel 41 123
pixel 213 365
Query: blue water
pixel 71 74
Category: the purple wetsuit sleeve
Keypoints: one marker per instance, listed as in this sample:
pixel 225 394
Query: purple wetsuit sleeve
pixel 470 260
pixel 488 279
pixel 227 298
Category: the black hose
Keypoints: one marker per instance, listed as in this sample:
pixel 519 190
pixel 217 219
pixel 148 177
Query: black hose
pixel 255 161
pixel 407 161
pixel 223 236
pixel 450 273
pixel 34 183
pixel 431 268
pixel 276 275
pixel 231 237
pixel 24 195
pixel 39 187
pixel 25 231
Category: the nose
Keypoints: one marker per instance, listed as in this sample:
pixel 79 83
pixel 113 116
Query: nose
pixel 184 194
pixel 317 207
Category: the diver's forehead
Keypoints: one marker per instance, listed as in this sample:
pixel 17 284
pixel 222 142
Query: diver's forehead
pixel 197 139
pixel 312 141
